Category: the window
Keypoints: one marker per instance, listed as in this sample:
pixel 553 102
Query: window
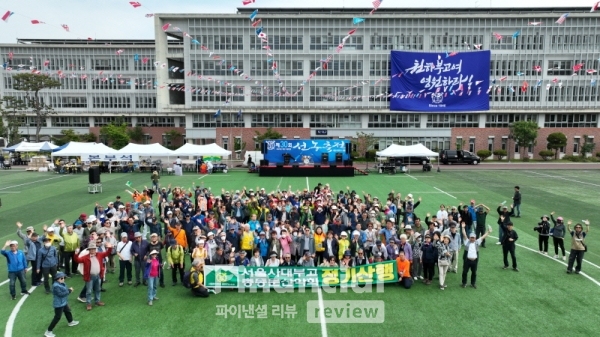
pixel 504 143
pixel 278 42
pixel 560 68
pixel 68 102
pixel 72 83
pixel 229 119
pixel 504 120
pixel 156 121
pixel 112 102
pixel 111 83
pixel 204 121
pixel 144 83
pixel 448 42
pixel 277 120
pixel 102 121
pixel 332 94
pixel 145 102
pixel 452 120
pixel 218 67
pixel 571 120
pixel 379 93
pixel 380 68
pixel 499 68
pixel 519 93
pixel 67 122
pixel 339 68
pixel 335 121
pixel 576 142
pixel 331 42
pixel 120 63
pixel 225 143
pixel 491 144
pixel 530 42
pixel 579 41
pixel 472 145
pixel 222 42
pixel 274 94
pixel 397 42
pixel 394 120
pixel 218 94
pixel 144 66
pixel 507 42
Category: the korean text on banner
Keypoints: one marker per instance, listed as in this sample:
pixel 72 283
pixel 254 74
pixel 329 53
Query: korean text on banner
pixel 440 82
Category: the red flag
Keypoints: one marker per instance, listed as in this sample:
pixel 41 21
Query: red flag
pixel 36 22
pixel 497 36
pixel 256 23
pixel 135 4
pixel 352 32
pixel 46 63
pixel 524 86
pixel 65 27
pixel 247 2
pixel 149 15
pixel 10 55
pixel 324 66
pixel 537 68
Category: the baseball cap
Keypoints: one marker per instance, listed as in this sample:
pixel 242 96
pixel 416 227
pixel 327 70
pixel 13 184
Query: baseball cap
pixel 407 227
pixel 83 216
pixel 30 229
pixel 472 235
pixel 13 242
pixel 91 218
pixel 51 229
pixel 137 235
pixel 123 235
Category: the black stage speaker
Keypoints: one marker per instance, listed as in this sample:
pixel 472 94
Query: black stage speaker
pixel 324 157
pixel 94 175
pixel 279 165
pixel 348 162
pixel 295 166
pixel 332 166
pixel 338 158
pixel 263 148
pixel 317 165
pixel 348 148
pixel 264 162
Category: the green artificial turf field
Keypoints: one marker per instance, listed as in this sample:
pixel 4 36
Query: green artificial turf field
pixel 540 299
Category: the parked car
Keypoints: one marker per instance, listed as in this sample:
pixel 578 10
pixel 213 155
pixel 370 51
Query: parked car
pixel 458 157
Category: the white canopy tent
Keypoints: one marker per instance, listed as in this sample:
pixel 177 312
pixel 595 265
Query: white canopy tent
pixel 416 150
pixel 32 147
pixel 213 149
pixel 154 149
pixel 87 151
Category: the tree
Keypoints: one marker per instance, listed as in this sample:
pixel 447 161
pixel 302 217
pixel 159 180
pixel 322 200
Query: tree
pixel 88 137
pixel 115 134
pixel 500 154
pixel 524 133
pixel 136 134
pixel 363 143
pixel 12 111
pixel 32 84
pixel 172 138
pixel 556 141
pixel 588 146
pixel 484 154
pixel 460 144
pixel 66 136
pixel 546 154
pixel 268 134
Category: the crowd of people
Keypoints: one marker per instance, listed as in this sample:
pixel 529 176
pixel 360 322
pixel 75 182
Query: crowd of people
pixel 165 228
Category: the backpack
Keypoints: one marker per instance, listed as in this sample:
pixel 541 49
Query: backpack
pixel 187 279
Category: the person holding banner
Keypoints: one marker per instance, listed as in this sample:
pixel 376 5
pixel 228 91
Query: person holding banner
pixel 197 279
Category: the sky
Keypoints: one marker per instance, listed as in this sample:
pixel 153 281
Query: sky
pixel 117 19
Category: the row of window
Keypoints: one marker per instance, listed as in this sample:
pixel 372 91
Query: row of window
pixel 55 63
pixel 77 121
pixel 101 102
pixel 409 42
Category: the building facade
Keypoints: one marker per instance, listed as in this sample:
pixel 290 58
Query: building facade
pixel 270 73
pixel 102 81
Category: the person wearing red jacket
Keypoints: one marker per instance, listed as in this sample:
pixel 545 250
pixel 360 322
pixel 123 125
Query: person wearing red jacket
pixel 93 269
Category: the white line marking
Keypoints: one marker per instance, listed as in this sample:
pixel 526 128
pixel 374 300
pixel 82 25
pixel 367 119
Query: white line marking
pixel 442 192
pixel 584 260
pixel 6 281
pixel 575 181
pixel 13 315
pixel 412 176
pixel 280 180
pixel 320 296
pixel 445 193
pixel 553 259
pixel 10 192
pixel 31 182
pixel 203 176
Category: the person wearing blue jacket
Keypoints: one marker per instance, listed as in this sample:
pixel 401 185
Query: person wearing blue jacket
pixel 17 267
pixel 47 262
pixel 61 293
pixel 263 245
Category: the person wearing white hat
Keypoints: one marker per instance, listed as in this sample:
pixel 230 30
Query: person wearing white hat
pixel 17 267
pixel 152 275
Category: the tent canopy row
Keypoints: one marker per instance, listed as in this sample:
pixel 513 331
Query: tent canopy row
pixel 31 147
pixel 132 152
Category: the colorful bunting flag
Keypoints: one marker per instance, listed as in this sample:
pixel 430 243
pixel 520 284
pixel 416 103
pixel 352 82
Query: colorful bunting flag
pixel 36 22
pixel 65 27
pixel 595 6
pixel 166 26
pixel 149 15
pixel 562 18
pixel 497 36
pixel 356 21
pixel 254 14
pixel 135 4
pixel 217 114
pixel 248 2
pixel 7 15
pixel 535 23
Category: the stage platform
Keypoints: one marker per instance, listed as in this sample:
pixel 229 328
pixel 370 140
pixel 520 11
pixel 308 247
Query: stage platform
pixel 306 171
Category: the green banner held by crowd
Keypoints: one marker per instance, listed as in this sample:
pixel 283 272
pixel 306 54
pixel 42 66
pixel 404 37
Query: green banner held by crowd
pixel 297 277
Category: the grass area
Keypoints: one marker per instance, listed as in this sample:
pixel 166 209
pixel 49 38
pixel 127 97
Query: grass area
pixel 506 303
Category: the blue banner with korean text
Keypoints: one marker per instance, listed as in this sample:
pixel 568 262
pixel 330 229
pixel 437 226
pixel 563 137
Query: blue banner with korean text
pixel 440 82
pixel 305 151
